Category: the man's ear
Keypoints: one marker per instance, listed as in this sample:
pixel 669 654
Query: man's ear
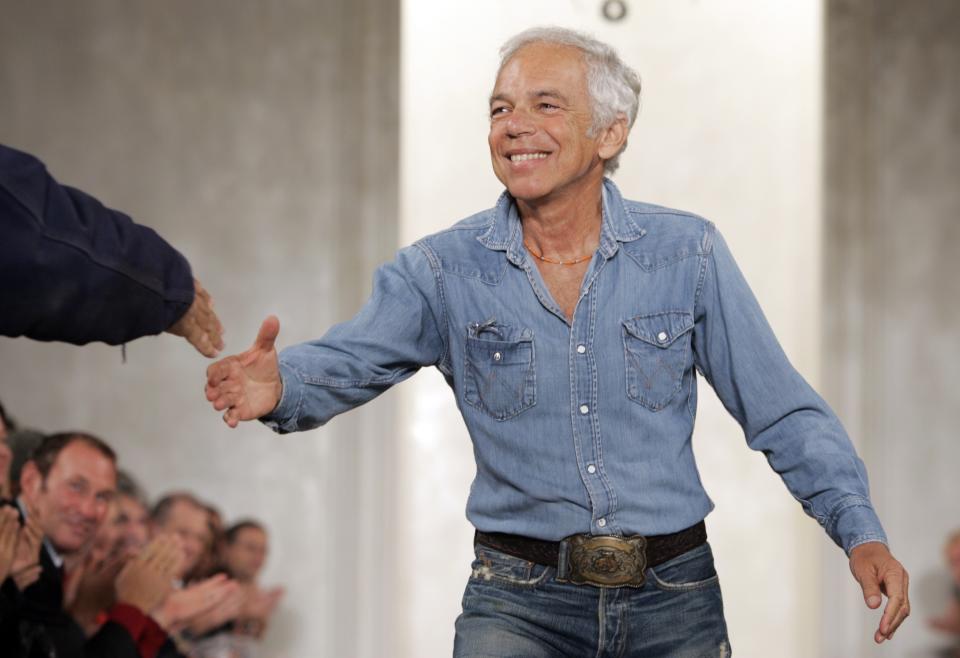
pixel 30 482
pixel 613 138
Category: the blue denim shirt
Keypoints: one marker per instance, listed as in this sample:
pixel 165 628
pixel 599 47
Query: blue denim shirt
pixel 585 426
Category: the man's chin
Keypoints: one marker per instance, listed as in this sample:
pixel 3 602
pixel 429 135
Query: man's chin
pixel 71 542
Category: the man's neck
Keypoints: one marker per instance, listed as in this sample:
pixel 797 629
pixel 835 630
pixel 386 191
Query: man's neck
pixel 568 225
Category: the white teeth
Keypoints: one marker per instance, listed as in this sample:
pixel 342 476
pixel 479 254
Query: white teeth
pixel 521 157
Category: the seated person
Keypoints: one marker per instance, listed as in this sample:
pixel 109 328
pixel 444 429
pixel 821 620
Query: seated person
pixel 949 621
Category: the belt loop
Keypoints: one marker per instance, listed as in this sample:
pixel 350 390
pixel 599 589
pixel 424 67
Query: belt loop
pixel 562 561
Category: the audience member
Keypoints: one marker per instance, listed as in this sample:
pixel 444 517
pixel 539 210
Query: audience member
pixel 949 621
pixel 133 513
pixel 65 490
pixel 209 562
pixel 244 551
pixel 22 442
pixel 83 577
pixel 183 515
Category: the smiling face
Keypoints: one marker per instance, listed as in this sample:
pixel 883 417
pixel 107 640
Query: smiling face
pixel 74 498
pixel 540 116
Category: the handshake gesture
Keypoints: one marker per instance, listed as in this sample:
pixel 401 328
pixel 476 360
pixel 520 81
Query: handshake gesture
pixel 246 386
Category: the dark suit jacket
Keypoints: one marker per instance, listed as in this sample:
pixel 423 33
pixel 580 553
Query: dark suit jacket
pixel 37 626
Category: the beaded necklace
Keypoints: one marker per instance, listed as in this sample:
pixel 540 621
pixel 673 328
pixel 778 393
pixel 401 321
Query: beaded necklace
pixel 554 261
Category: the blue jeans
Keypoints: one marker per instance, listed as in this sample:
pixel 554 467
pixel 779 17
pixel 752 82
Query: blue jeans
pixel 513 608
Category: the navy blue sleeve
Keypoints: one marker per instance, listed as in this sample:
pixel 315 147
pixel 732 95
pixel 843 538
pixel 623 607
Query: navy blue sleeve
pixel 73 270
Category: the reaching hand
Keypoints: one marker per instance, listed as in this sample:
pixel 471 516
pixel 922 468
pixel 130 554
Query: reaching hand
pixel 878 572
pixel 248 385
pixel 9 531
pixel 200 325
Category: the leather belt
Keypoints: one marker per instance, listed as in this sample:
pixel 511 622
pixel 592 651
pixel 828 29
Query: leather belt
pixel 600 560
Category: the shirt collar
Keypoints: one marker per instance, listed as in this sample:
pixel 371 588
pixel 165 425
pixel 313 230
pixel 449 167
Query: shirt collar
pixel 505 232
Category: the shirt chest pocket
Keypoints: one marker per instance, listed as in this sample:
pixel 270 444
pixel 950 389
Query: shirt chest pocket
pixel 499 370
pixel 656 350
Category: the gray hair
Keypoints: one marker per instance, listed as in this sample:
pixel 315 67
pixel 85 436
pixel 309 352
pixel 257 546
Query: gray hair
pixel 614 87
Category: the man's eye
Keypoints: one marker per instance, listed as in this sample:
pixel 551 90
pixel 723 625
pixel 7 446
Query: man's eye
pixel 548 106
pixel 498 110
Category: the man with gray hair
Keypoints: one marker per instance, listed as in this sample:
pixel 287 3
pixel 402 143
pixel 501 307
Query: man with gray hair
pixel 571 324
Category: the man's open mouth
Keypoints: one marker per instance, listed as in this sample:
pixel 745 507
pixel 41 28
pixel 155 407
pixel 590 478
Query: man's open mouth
pixel 523 157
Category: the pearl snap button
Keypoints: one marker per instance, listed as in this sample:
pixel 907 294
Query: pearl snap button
pixel 602 523
pixel 662 336
pixel 584 409
pixel 581 349
pixel 497 356
pixel 591 469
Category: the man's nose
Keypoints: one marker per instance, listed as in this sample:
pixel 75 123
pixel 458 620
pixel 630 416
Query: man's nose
pixel 90 507
pixel 519 123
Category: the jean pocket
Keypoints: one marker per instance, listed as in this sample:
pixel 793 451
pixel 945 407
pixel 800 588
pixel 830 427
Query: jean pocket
pixel 493 566
pixel 656 350
pixel 690 571
pixel 499 370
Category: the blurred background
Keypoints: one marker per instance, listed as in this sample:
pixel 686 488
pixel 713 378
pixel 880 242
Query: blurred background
pixel 287 148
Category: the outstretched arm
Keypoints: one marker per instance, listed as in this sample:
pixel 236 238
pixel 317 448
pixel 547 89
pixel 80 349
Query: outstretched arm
pixel 76 271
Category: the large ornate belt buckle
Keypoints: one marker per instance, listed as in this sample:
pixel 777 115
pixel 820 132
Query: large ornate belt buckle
pixel 606 561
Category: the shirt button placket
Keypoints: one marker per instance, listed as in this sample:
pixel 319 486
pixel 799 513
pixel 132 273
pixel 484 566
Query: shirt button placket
pixel 582 387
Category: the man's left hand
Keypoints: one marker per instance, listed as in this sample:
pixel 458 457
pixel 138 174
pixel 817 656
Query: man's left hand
pixel 878 572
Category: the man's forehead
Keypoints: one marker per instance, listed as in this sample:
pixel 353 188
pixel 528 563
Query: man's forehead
pixel 252 533
pixel 546 66
pixel 184 509
pixel 83 459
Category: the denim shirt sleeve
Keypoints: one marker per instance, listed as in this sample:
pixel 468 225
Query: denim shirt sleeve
pixel 399 330
pixel 781 415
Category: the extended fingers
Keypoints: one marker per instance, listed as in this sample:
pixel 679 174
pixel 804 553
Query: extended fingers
pixel 220 371
pixel 896 584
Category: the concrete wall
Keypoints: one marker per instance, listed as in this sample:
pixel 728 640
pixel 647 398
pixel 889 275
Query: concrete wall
pixel 729 128
pixel 261 139
pixel 892 242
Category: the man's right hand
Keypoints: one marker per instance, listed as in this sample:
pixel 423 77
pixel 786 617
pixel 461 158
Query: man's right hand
pixel 248 385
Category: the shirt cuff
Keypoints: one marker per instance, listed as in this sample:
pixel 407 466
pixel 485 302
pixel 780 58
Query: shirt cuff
pixel 130 617
pixel 856 523
pixel 152 640
pixel 283 417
